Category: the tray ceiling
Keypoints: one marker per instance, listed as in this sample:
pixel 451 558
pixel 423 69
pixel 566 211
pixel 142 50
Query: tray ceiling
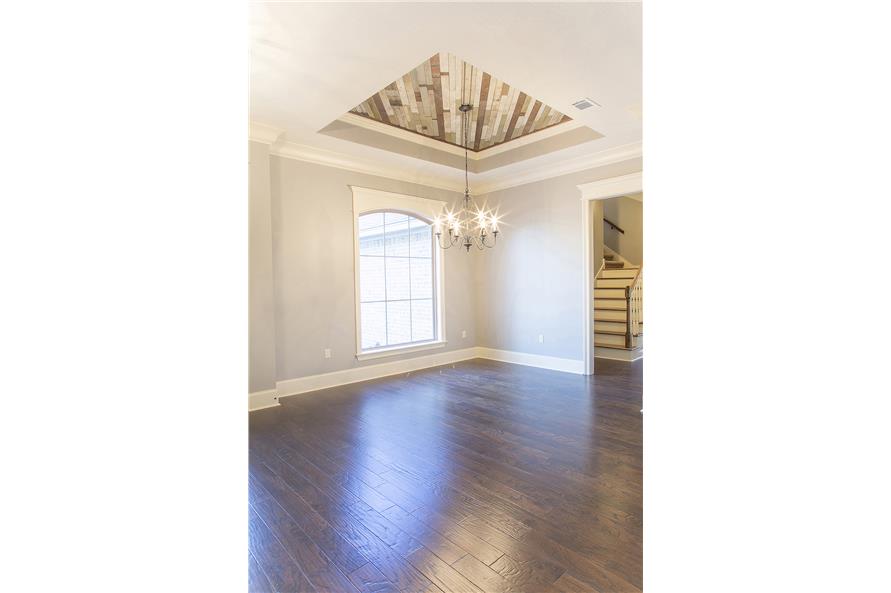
pixel 426 100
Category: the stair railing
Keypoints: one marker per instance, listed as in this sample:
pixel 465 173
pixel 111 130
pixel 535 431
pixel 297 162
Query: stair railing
pixel 633 308
pixel 614 226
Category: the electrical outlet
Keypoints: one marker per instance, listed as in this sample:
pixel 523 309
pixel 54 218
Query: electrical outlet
pixel 541 338
pixel 327 352
pixel 463 333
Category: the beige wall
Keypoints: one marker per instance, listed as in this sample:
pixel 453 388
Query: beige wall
pixel 261 306
pixel 628 214
pixel 312 251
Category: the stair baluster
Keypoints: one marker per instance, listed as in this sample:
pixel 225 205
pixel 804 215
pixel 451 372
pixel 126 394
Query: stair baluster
pixel 629 316
pixel 632 309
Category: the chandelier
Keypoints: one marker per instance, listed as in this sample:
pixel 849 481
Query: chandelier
pixel 469 225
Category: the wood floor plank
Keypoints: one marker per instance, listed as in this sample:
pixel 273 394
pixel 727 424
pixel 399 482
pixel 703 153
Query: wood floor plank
pixel 554 556
pixel 321 572
pixel 515 477
pixel 283 574
pixel 367 496
pixel 441 574
pixel 553 547
pixel 590 545
pixel 399 496
pixel 440 545
pixel 341 551
pixel 387 531
pixel 339 467
pixel 452 497
pixel 477 547
pixel 381 543
pixel 341 518
pixel 527 573
pixel 476 476
pixel 257 581
pixel 255 490
pixel 569 584
pixel 368 579
pixel 482 576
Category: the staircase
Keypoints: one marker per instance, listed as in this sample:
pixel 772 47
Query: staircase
pixel 618 309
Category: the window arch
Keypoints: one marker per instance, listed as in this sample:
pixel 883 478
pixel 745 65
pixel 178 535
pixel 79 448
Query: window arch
pixel 397 280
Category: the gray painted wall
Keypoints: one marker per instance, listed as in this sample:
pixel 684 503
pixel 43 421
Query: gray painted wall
pixel 532 283
pixel 261 305
pixel 302 281
pixel 312 239
pixel 628 214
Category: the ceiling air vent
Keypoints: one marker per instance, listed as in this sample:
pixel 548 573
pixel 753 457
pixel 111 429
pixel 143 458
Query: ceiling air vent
pixel 585 103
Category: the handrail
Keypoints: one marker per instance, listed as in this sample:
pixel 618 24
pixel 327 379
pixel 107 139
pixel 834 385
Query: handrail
pixel 614 225
pixel 636 276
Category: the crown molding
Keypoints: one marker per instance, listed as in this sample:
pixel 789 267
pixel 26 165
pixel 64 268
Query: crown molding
pixel 382 128
pixel 286 149
pixel 318 156
pixel 258 132
pixel 612 187
pixel 581 163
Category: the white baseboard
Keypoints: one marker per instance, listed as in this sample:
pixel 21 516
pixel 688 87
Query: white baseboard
pixel 374 371
pixel 262 399
pixel 618 354
pixel 566 365
pixel 265 399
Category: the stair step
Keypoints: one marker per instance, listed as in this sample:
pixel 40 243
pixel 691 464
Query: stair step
pixel 608 257
pixel 614 265
pixel 612 282
pixel 609 332
pixel 599 345
pixel 606 314
pixel 611 340
pixel 610 306
pixel 617 325
pixel 616 292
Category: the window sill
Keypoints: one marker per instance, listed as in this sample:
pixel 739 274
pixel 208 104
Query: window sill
pixel 395 350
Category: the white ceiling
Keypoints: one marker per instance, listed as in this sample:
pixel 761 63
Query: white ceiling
pixel 313 62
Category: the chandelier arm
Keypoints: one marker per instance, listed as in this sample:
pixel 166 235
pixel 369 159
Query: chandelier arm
pixel 442 245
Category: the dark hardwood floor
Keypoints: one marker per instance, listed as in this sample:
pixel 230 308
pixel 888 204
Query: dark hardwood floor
pixel 478 476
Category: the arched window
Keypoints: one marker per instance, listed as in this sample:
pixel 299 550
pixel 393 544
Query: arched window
pixel 397 281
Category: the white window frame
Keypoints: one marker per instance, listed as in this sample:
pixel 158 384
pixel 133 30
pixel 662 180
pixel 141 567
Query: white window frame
pixel 367 200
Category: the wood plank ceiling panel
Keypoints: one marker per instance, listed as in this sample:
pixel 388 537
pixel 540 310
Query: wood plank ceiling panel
pixel 426 101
